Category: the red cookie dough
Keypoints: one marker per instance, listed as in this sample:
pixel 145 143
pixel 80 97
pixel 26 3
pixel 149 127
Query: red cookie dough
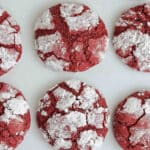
pixel 132 37
pixel 14 117
pixel 73 115
pixel 132 122
pixel 10 45
pixel 70 37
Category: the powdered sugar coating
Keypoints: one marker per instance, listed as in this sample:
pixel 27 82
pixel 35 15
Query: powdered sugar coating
pixel 10 44
pixel 74 84
pixel 133 106
pixel 132 123
pixel 70 9
pixel 96 117
pixel 5 147
pixel 50 42
pixel 14 117
pixel 132 37
pixel 45 21
pixel 13 108
pixel 86 20
pixel 88 138
pixel 74 40
pixel 69 120
pixel 72 120
pixel 88 96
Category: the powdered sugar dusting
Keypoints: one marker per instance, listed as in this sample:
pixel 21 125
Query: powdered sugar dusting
pixel 17 105
pixel 133 106
pixel 89 139
pixel 14 117
pixel 6 33
pixel 11 92
pixel 74 84
pixel 8 58
pixel 44 103
pixel 124 23
pixel 45 21
pixel 13 106
pixel 66 99
pixel 96 117
pixel 73 120
pixel 70 9
pixel 3 146
pixel 146 106
pixel 61 43
pixel 139 134
pixel 131 37
pixel 55 64
pixel 49 43
pixel 126 40
pixel 10 50
pixel 60 143
pixel 72 112
pixel 132 121
pixel 139 13
pixel 84 21
pixel 141 131
pixel 88 97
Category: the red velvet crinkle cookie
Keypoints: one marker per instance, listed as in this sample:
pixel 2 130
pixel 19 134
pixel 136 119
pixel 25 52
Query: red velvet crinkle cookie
pixel 132 37
pixel 14 117
pixel 73 115
pixel 132 122
pixel 10 44
pixel 70 37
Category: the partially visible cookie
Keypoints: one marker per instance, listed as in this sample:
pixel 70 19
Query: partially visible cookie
pixel 132 37
pixel 132 122
pixel 14 117
pixel 70 37
pixel 10 44
pixel 73 115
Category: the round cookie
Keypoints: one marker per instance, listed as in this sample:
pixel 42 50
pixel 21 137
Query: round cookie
pixel 73 115
pixel 10 45
pixel 70 37
pixel 132 122
pixel 14 117
pixel 132 37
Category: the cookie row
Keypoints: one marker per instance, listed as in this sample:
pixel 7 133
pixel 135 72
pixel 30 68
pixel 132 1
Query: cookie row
pixel 72 37
pixel 73 115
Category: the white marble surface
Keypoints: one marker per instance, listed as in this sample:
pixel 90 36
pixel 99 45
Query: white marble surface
pixel 114 79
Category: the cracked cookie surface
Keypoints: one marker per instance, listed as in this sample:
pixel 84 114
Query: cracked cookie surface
pixel 70 37
pixel 14 117
pixel 10 43
pixel 132 122
pixel 132 37
pixel 73 115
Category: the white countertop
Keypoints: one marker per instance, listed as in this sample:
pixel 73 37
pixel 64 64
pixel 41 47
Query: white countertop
pixel 114 79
